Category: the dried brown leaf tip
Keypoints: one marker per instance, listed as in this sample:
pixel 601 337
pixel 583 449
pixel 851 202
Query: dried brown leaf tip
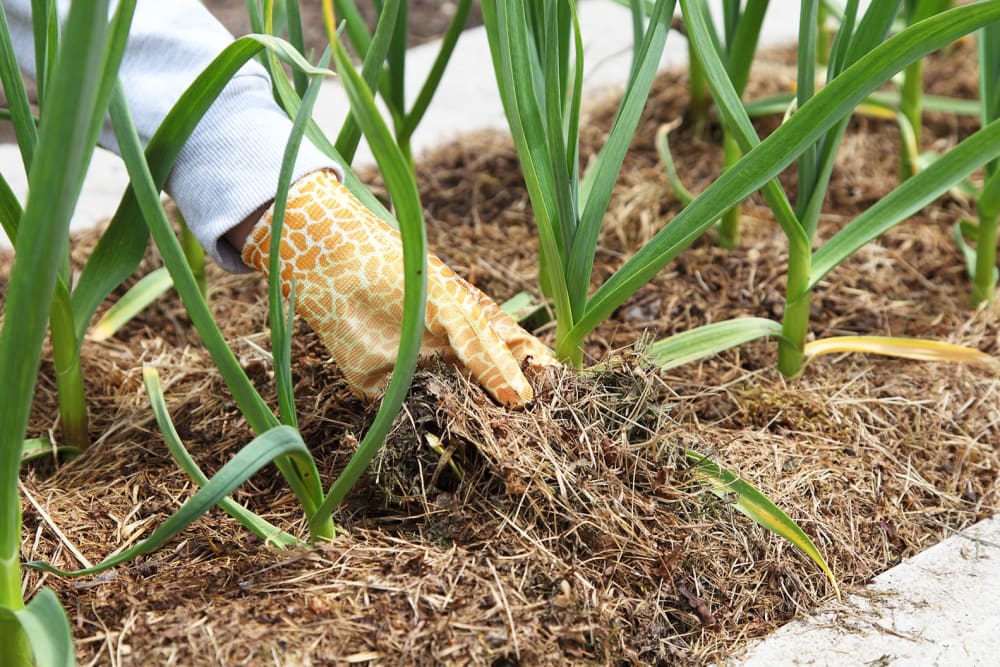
pixel 698 606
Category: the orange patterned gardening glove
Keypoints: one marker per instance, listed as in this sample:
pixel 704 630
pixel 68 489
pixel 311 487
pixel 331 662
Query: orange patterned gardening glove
pixel 348 269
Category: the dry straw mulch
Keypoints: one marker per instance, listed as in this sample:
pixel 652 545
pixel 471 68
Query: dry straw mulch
pixel 571 532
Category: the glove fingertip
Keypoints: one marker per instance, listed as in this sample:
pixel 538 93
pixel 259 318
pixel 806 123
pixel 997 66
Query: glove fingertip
pixel 512 398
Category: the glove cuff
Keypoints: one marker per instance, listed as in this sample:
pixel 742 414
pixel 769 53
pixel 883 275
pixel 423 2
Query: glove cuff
pixel 301 199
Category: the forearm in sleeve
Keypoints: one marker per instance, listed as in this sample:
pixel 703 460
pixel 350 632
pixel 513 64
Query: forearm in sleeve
pixel 229 166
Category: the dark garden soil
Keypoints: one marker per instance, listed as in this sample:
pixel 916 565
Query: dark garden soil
pixel 570 532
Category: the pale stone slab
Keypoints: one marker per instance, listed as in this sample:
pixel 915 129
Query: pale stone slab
pixel 941 607
pixel 103 187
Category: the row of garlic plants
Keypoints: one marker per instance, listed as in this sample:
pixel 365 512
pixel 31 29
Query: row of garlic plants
pixel 538 63
pixel 537 57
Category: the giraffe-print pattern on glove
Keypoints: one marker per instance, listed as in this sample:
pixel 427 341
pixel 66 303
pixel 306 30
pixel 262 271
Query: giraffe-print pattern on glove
pixel 348 269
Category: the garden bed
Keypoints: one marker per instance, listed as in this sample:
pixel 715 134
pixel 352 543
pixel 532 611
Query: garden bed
pixel 570 532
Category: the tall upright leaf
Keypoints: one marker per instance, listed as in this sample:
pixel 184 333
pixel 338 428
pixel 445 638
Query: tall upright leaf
pixel 403 190
pixel 62 155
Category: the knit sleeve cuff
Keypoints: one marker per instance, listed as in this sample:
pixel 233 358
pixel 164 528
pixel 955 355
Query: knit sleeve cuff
pixel 229 166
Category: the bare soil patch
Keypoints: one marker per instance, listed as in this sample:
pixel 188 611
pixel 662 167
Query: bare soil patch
pixel 570 532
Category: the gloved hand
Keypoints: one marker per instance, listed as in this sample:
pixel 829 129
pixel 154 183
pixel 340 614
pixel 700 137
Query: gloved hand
pixel 348 269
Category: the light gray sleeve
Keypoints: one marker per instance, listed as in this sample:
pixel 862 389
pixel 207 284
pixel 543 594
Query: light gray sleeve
pixel 229 166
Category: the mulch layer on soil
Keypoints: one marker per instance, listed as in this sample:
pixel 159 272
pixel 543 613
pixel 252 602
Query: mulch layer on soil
pixel 570 532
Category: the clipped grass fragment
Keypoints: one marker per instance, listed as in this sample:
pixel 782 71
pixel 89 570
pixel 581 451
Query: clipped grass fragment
pixel 750 502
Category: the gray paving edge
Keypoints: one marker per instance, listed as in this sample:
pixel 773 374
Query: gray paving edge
pixel 940 607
